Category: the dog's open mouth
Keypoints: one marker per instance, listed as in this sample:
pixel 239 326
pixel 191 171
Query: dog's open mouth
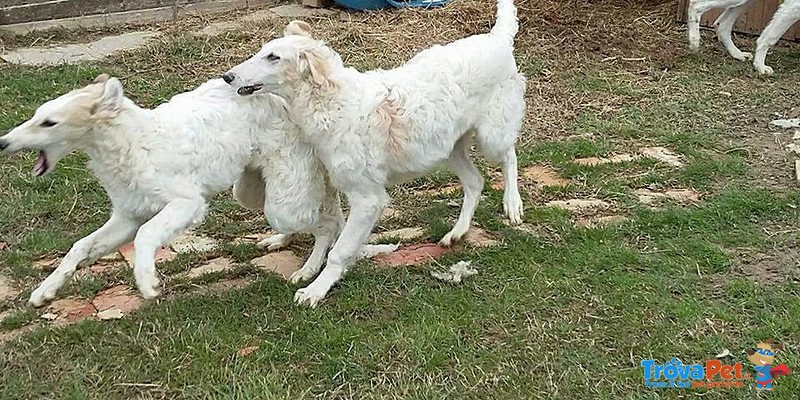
pixel 42 165
pixel 248 90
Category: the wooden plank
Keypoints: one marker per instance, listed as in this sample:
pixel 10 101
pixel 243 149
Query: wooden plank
pixel 73 8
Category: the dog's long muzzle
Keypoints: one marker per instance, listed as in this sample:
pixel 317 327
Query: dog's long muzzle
pixel 3 145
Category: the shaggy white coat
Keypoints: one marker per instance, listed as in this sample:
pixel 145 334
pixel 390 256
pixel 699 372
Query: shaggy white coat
pixel 378 128
pixel 160 167
pixel 787 14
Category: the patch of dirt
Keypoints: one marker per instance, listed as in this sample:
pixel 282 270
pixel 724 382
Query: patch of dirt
pixel 774 267
pixel 389 213
pixel 662 154
pixel 543 176
pixel 579 204
pixel 537 175
pixel 649 197
pixel 45 263
pixel 403 235
pixel 283 263
pixel 8 290
pixel 190 242
pixel 225 285
pixel 219 264
pixel 478 237
pixel 616 159
pixel 411 255
pixel 769 162
pixel 246 351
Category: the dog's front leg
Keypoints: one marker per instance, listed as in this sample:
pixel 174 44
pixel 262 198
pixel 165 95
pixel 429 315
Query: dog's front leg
pixel 365 209
pixel 114 233
pixel 176 217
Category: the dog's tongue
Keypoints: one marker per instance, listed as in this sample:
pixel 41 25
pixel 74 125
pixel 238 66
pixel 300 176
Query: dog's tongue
pixel 40 167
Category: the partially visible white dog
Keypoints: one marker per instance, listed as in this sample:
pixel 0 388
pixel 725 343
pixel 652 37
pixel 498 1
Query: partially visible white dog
pixel 382 127
pixel 161 166
pixel 786 15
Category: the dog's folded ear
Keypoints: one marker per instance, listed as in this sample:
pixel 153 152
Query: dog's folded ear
pixel 315 65
pixel 102 78
pixel 297 28
pixel 108 104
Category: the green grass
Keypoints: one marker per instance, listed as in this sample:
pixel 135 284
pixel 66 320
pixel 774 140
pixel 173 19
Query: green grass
pixel 563 312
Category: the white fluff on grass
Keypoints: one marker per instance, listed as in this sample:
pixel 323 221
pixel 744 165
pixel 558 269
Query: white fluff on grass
pixel 457 272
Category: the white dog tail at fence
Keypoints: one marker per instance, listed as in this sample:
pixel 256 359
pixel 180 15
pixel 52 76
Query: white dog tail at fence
pixel 507 24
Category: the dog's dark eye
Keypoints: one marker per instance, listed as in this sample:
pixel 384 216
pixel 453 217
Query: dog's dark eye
pixel 48 123
pixel 272 57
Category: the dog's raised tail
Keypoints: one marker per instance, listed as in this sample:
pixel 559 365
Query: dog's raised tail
pixel 507 24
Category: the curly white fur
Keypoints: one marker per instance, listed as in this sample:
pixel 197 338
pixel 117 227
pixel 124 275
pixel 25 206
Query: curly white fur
pixel 378 128
pixel 161 166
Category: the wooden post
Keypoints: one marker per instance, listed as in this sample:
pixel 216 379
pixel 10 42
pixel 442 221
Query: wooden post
pixel 317 3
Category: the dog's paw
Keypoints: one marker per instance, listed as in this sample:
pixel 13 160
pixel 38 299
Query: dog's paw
pixel 149 287
pixel 451 238
pixel 275 242
pixel 764 69
pixel 513 209
pixel 301 275
pixel 42 295
pixel 309 296
pixel 742 56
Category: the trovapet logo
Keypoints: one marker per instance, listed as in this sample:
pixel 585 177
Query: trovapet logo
pixel 676 374
pixel 716 374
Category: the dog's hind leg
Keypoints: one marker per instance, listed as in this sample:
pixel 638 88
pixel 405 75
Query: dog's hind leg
pixel 725 24
pixel 788 13
pixel 325 233
pixel 471 182
pixel 174 218
pixel 497 134
pixel 366 204
pixel 113 234
pixel 696 10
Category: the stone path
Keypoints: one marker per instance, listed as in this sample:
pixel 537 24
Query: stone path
pixel 110 45
pixel 73 53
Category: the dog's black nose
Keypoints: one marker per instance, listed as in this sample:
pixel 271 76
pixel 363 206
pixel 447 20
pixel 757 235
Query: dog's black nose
pixel 228 77
pixel 3 144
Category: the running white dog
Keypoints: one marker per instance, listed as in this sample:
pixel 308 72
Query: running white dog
pixel 382 127
pixel 161 166
pixel 786 15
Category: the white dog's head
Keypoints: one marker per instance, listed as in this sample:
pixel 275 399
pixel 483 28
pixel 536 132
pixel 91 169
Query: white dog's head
pixel 284 63
pixel 63 124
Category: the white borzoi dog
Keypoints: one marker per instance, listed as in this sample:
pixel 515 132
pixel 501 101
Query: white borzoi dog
pixel 378 128
pixel 787 14
pixel 161 166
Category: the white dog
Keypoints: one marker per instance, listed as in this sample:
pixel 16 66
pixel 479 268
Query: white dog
pixel 786 15
pixel 161 166
pixel 382 127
